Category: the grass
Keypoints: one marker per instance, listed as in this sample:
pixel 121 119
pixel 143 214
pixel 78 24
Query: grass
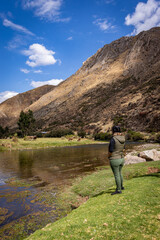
pixel 7 144
pixel 133 215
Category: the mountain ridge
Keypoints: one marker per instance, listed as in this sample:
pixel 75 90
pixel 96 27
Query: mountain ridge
pixel 11 108
pixel 116 82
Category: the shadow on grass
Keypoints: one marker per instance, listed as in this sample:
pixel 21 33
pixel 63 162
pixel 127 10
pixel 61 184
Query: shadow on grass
pixel 157 174
pixel 109 191
pixel 104 192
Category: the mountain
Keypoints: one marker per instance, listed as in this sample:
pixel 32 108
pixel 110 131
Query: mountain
pixel 119 84
pixel 11 108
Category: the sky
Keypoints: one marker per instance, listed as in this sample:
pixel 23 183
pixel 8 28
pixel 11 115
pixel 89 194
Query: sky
pixel 46 41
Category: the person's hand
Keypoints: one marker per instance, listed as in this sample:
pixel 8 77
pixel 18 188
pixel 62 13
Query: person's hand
pixel 109 154
pixel 124 152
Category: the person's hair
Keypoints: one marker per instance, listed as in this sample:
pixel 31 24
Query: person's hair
pixel 116 129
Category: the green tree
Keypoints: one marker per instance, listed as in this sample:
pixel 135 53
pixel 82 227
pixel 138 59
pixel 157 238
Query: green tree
pixel 1 132
pixel 4 132
pixel 26 123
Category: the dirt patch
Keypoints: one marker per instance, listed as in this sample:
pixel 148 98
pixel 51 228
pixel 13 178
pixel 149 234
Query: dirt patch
pixel 80 201
pixel 153 170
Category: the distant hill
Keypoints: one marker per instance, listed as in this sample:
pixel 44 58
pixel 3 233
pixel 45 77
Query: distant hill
pixel 11 108
pixel 119 84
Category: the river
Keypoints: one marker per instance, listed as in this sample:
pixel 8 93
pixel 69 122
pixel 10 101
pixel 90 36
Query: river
pixel 54 166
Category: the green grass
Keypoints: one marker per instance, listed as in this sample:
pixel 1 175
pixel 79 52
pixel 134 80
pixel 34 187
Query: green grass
pixel 132 215
pixel 41 143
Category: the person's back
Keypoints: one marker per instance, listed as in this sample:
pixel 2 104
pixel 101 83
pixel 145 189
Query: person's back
pixel 116 157
pixel 118 147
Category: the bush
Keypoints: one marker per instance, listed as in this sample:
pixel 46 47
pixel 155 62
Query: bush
pixel 134 136
pixel 59 133
pixel 158 137
pixel 81 133
pixel 102 136
pixel 39 135
pixel 26 123
pixel 4 132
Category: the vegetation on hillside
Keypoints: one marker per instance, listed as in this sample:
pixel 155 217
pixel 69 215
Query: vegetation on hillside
pixel 26 123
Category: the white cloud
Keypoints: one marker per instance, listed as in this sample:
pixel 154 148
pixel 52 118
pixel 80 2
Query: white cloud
pixel 39 56
pixel 38 71
pixel 16 42
pixel 70 38
pixel 105 1
pixel 7 94
pixel 146 16
pixel 49 82
pixel 103 24
pixel 24 70
pixel 16 27
pixel 49 9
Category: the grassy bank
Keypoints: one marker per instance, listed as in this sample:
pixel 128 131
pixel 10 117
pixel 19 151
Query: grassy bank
pixel 135 214
pixel 20 143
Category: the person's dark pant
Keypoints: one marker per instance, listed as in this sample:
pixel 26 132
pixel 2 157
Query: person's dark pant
pixel 116 165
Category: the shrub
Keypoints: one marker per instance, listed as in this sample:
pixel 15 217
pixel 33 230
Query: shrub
pixel 59 132
pixel 134 136
pixel 120 121
pixel 158 137
pixel 26 123
pixel 102 136
pixel 15 138
pixel 81 133
pixel 4 132
pixel 39 135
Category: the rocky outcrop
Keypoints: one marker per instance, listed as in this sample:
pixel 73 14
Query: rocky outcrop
pixel 130 159
pixel 150 155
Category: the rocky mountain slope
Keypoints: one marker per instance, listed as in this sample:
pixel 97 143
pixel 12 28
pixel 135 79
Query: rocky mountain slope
pixel 11 108
pixel 119 84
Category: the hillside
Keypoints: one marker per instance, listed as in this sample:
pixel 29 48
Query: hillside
pixel 11 108
pixel 120 83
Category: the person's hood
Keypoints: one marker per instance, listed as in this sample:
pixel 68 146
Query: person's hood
pixel 120 138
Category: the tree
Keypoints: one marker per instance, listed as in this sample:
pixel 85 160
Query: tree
pixel 1 132
pixel 26 123
pixel 4 132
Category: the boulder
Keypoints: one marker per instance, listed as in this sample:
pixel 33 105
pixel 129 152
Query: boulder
pixel 150 155
pixel 129 159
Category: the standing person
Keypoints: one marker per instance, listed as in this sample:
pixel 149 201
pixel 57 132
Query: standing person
pixel 116 157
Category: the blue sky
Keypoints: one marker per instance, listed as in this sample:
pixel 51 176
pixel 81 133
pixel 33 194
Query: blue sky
pixel 46 41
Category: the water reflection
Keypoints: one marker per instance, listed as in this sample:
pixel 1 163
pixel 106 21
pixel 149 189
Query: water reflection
pixel 54 164
pixel 25 164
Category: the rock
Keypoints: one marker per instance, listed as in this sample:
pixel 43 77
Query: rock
pixel 150 155
pixel 40 184
pixel 129 159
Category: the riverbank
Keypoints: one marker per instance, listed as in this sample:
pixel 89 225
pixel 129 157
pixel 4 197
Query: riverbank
pixel 20 143
pixel 55 202
pixel 134 214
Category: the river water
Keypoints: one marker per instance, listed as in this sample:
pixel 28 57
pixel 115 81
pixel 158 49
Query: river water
pixel 52 165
